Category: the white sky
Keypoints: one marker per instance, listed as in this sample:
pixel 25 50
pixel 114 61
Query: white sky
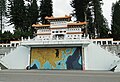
pixel 62 7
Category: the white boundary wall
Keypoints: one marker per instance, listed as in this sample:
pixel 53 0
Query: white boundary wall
pixel 97 58
pixel 17 59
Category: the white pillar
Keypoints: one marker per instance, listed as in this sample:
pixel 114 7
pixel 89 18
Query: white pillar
pixel 106 42
pixel 101 42
pixel 28 38
pixel 57 37
pixel 5 53
pixel 22 38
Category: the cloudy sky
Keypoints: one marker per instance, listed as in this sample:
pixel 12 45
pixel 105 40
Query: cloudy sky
pixel 62 7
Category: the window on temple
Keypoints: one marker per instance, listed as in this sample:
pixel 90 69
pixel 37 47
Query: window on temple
pixel 104 42
pixel 94 41
pixel 56 31
pixel 99 42
pixel 109 42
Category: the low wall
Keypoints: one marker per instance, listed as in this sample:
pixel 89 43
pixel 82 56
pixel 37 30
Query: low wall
pixel 5 50
pixel 112 48
pixel 97 58
pixel 17 59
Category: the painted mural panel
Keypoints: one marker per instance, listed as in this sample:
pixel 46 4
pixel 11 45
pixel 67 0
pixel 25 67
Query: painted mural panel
pixel 56 58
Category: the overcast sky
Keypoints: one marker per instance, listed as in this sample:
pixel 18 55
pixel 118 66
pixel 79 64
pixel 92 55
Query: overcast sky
pixel 62 7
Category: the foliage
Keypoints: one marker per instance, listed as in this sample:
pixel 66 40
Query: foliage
pixel 115 26
pixel 2 12
pixel 90 11
pixel 17 14
pixel 6 37
pixel 45 10
pixel 23 16
pixel 33 12
pixel 79 10
pixel 100 22
pixel 0 36
pixel 3 6
pixel 32 15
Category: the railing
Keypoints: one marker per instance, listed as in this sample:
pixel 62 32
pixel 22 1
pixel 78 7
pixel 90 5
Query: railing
pixel 11 44
pixel 5 45
pixel 107 41
pixel 57 41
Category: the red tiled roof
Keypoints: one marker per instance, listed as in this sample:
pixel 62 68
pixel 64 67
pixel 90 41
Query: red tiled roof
pixel 43 33
pixel 53 18
pixel 74 32
pixel 77 24
pixel 40 25
pixel 69 24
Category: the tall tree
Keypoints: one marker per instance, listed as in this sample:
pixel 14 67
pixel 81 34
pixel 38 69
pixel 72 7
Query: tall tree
pixel 23 16
pixel 79 11
pixel 3 6
pixel 83 10
pixel 17 14
pixel 45 10
pixel 89 19
pixel 2 12
pixel 115 26
pixel 32 15
pixel 6 37
pixel 33 12
pixel 100 22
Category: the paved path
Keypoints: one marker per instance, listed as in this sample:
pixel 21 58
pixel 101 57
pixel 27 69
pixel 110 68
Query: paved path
pixel 58 76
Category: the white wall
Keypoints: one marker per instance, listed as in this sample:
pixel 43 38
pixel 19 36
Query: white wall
pixel 97 58
pixel 17 59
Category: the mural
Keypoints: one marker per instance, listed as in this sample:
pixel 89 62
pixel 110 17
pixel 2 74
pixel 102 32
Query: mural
pixel 56 58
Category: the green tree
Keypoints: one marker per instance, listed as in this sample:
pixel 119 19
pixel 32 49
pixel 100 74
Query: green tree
pixel 17 35
pixel 3 6
pixel 33 12
pixel 0 36
pixel 2 12
pixel 79 9
pixel 83 12
pixel 45 10
pixel 100 22
pixel 23 16
pixel 115 26
pixel 32 15
pixel 90 11
pixel 17 14
pixel 7 37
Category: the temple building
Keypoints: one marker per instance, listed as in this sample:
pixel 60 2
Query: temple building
pixel 60 28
